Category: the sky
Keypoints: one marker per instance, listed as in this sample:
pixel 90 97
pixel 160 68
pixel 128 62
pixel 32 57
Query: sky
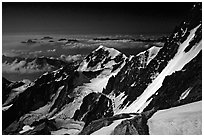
pixel 92 18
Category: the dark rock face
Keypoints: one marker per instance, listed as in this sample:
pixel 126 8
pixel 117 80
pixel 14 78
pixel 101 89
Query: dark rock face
pixel 92 74
pixel 97 124
pixel 99 54
pixel 189 78
pixel 91 108
pixel 127 75
pixel 134 125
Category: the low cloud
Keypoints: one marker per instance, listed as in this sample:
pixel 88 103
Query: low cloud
pixel 22 67
pixel 71 58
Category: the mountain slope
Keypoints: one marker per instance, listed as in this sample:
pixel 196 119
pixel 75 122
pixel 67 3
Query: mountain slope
pixel 102 58
pixel 179 61
pixel 110 93
pixel 177 120
pixel 171 58
pixel 62 94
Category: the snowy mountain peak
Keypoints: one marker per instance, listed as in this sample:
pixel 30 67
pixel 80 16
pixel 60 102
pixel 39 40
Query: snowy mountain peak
pixel 113 52
pixel 147 55
pixel 102 58
pixel 101 46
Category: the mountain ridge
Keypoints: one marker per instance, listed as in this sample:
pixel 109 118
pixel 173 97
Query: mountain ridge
pixel 110 93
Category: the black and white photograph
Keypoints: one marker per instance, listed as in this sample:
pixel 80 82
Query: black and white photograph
pixel 101 68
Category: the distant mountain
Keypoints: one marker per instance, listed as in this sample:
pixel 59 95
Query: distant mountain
pixel 39 62
pixel 111 93
pixel 18 68
pixel 160 39
pixel 29 66
pixel 29 41
pixel 46 38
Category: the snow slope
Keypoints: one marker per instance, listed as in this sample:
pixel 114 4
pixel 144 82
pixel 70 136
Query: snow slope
pixel 180 59
pixel 177 63
pixel 186 119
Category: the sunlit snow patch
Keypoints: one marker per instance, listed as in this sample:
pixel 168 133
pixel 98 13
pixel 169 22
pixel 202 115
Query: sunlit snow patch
pixel 26 128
